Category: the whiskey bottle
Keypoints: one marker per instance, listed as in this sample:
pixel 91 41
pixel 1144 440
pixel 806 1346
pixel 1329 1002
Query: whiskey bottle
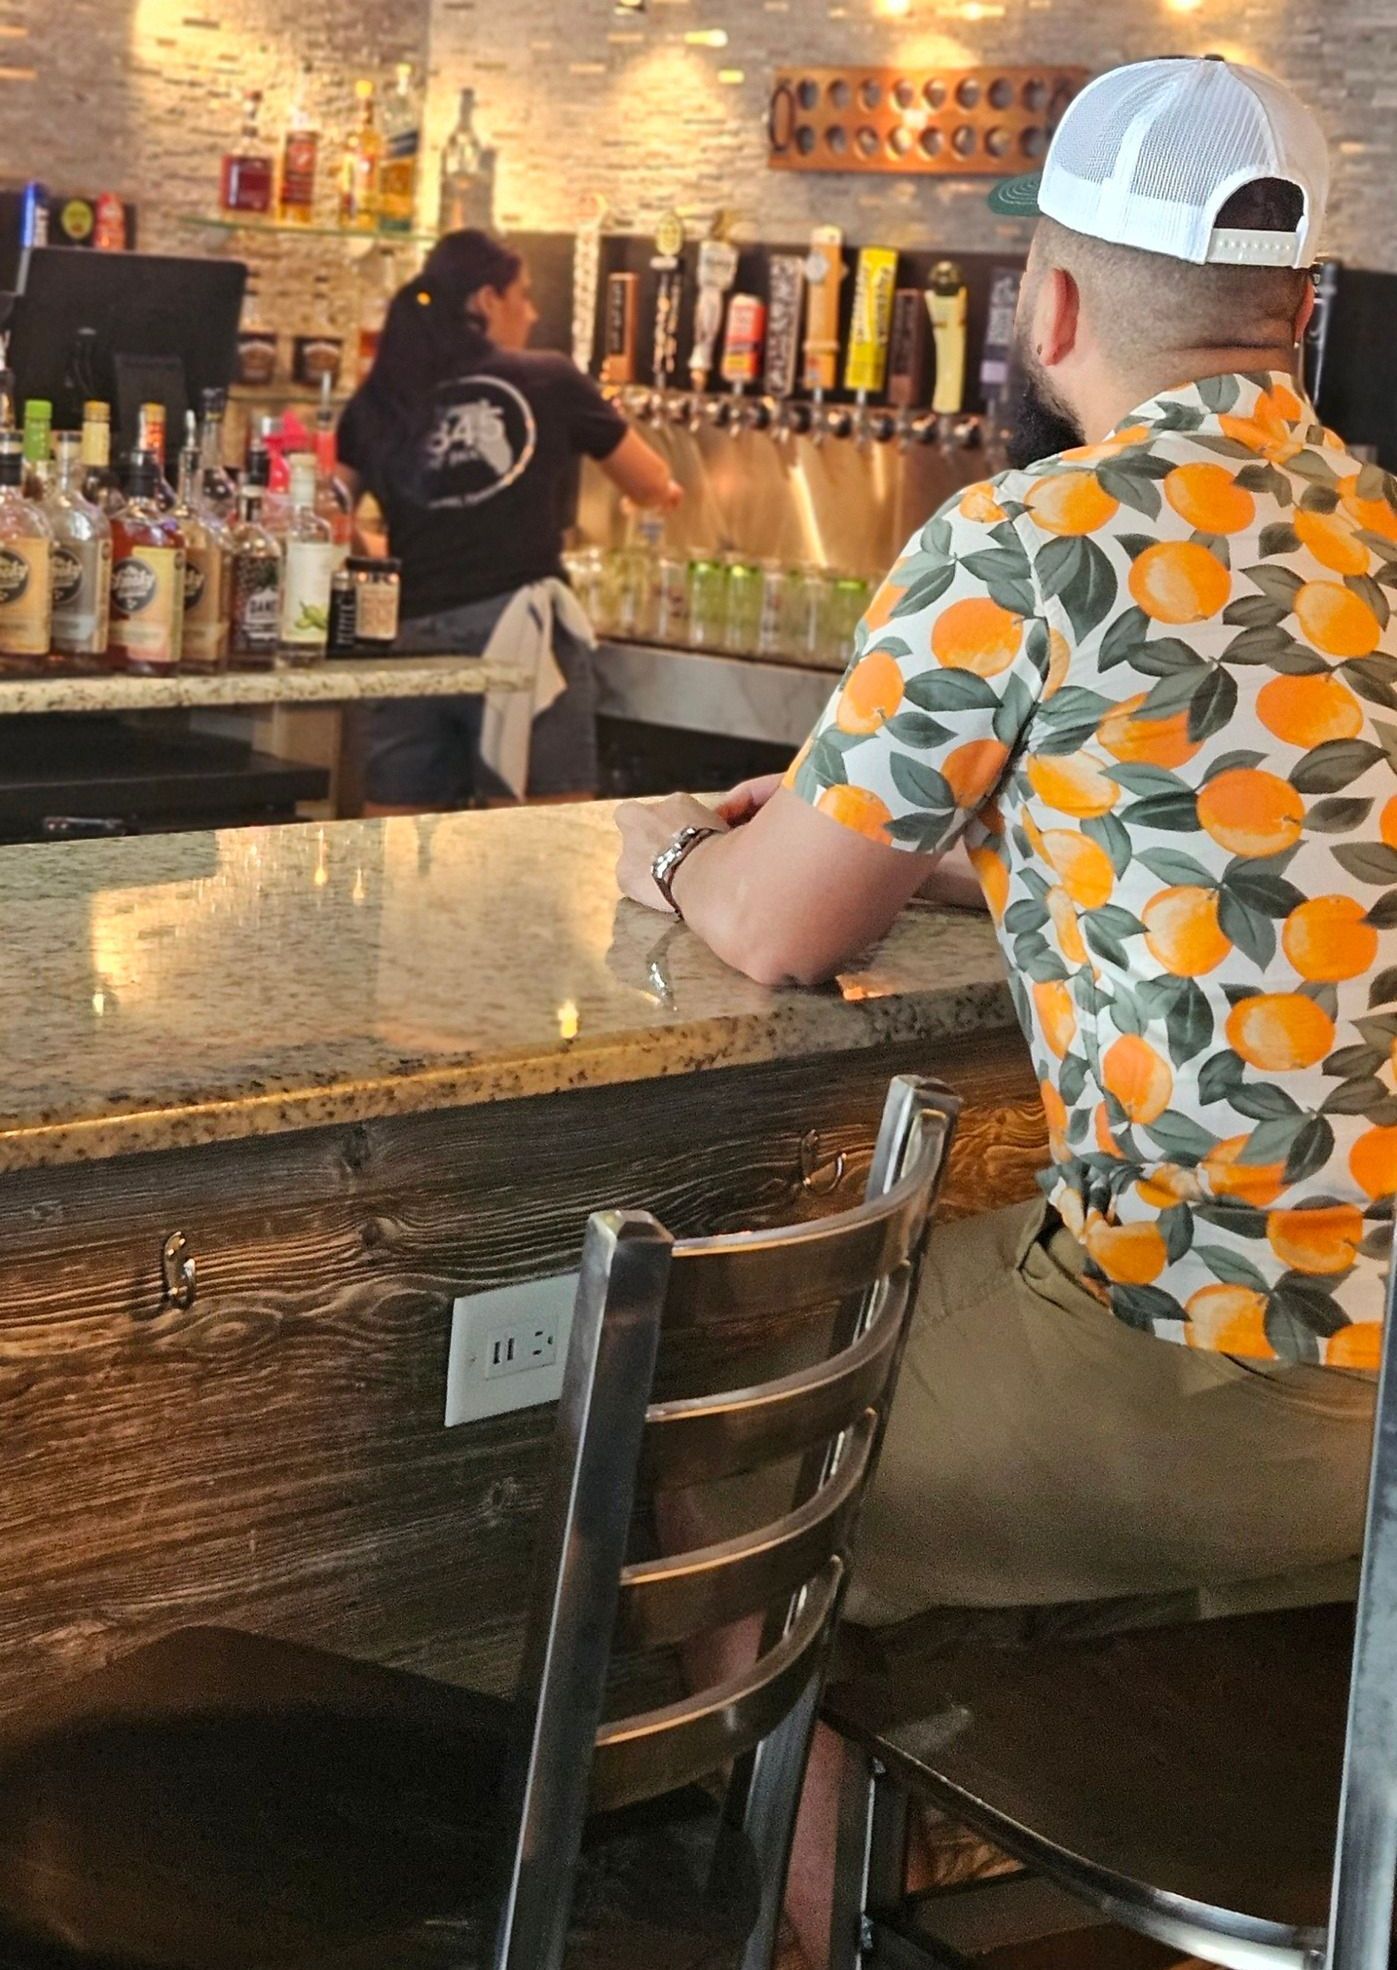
pixel 38 447
pixel 402 147
pixel 256 623
pixel 247 177
pixel 26 544
pixel 300 153
pixel 100 485
pixel 150 437
pixel 311 560
pixel 147 577
pixel 208 596
pixel 81 560
pixel 216 487
pixel 363 157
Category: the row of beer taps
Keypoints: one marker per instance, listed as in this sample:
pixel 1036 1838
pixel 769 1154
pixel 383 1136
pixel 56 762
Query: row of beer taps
pixel 787 418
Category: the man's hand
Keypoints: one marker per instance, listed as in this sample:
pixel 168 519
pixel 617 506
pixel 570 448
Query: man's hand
pixel 745 802
pixel 646 828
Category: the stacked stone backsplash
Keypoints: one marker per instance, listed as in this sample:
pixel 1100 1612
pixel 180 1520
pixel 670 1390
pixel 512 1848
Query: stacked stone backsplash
pixel 143 97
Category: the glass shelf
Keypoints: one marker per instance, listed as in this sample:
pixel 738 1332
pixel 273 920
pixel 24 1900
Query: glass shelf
pixel 289 229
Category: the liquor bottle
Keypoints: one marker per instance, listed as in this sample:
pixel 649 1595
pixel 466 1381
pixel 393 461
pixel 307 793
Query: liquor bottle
pixel 359 176
pixel 300 154
pixel 467 176
pixel 247 178
pixel 311 558
pixel 147 577
pixel 150 437
pixel 109 228
pixel 216 488
pixel 38 446
pixel 208 597
pixel 101 486
pixel 82 557
pixel 256 621
pixel 402 150
pixel 331 502
pixel 26 544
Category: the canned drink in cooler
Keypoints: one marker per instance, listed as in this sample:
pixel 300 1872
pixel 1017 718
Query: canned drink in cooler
pixel 848 605
pixel 773 636
pixel 811 615
pixel 708 592
pixel 672 599
pixel 743 620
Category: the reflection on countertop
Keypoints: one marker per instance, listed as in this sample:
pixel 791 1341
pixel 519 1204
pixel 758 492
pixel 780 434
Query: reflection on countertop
pixel 181 989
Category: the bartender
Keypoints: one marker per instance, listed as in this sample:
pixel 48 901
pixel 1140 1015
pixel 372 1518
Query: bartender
pixel 468 441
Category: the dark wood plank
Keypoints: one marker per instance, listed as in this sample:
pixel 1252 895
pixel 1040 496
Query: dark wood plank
pixel 275 1457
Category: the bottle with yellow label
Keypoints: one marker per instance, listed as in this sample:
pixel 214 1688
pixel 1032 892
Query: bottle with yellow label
pixel 26 579
pixel 147 577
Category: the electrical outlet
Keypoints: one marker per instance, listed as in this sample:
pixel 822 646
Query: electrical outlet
pixel 509 1348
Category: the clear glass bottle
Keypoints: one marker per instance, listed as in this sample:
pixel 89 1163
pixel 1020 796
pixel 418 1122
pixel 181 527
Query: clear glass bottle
pixel 247 177
pixel 255 631
pixel 151 437
pixel 208 596
pixel 467 175
pixel 300 155
pixel 81 565
pixel 311 558
pixel 38 447
pixel 147 577
pixel 402 150
pixel 363 157
pixel 216 487
pixel 26 588
pixel 101 486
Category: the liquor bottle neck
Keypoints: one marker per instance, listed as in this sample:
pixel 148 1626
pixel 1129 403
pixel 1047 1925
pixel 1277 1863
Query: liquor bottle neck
pixel 97 443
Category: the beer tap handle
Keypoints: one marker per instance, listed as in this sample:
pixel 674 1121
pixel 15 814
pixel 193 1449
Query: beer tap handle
pixel 883 427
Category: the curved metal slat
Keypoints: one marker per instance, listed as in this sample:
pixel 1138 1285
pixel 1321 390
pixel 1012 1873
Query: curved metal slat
pixel 668 1600
pixel 659 1751
pixel 704 1438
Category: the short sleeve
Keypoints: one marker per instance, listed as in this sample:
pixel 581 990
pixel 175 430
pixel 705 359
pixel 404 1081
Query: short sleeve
pixel 948 667
pixel 595 427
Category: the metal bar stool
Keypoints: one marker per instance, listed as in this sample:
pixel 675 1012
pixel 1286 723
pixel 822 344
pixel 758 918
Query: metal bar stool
pixel 223 1801
pixel 1228 1788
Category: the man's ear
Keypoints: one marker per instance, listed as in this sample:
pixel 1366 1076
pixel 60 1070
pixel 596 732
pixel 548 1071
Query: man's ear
pixel 1057 317
pixel 1305 311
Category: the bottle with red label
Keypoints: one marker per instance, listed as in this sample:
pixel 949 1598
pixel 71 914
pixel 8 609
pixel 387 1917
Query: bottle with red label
pixel 248 176
pixel 300 157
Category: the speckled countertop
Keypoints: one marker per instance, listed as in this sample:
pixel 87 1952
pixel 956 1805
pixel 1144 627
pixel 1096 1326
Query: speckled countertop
pixel 340 682
pixel 191 988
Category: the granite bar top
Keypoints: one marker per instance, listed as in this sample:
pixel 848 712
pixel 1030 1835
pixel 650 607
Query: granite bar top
pixel 341 682
pixel 182 989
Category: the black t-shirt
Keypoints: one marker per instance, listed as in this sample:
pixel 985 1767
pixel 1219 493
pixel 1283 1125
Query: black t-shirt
pixel 480 509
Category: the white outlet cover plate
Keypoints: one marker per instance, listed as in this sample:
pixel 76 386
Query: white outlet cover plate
pixel 476 1319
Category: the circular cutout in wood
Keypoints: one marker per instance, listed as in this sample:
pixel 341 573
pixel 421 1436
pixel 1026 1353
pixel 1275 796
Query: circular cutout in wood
pixel 870 92
pixel 1034 141
pixel 808 94
pixel 904 93
pixel 968 92
pixel 963 140
pixel 840 94
pixel 900 140
pixel 999 141
pixel 867 140
pixel 931 141
pixel 1001 93
pixel 934 92
pixel 837 139
pixel 805 140
pixel 1035 96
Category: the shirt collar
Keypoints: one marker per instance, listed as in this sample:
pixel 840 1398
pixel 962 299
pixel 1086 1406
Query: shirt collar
pixel 1267 402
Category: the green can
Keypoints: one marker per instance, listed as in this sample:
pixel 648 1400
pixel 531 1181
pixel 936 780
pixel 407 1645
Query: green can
pixel 743 619
pixel 708 602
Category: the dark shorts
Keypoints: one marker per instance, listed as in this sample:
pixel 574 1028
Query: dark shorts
pixel 425 752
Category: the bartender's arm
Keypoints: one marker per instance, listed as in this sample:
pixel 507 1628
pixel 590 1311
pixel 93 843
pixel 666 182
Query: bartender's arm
pixel 906 760
pixel 641 474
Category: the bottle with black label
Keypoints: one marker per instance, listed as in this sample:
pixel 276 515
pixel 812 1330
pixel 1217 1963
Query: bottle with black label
pixel 26 544
pixel 147 577
pixel 82 560
pixel 208 597
pixel 256 626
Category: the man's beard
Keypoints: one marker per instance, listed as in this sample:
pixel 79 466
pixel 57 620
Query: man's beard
pixel 1043 425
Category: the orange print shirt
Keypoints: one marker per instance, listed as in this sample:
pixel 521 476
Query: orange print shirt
pixel 1154 683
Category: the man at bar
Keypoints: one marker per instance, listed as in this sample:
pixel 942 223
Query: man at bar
pixel 1150 682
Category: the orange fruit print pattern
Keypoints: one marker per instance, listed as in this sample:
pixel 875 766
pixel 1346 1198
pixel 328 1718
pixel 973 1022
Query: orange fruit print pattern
pixel 1153 681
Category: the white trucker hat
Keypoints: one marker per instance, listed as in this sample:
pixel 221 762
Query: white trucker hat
pixel 1147 155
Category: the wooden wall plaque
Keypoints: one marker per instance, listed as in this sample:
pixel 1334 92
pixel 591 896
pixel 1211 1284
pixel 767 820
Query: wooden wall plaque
pixel 973 122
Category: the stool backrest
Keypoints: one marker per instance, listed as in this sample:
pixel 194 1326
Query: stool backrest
pixel 1365 1860
pixel 635 1280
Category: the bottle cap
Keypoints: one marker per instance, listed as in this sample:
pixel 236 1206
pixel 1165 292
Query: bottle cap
pixel 11 458
pixel 95 412
pixel 38 410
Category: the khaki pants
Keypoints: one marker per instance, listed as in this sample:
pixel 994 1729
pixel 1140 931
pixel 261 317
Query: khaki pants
pixel 1042 1453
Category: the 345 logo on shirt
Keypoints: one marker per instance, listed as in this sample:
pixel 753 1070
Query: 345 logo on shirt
pixel 482 439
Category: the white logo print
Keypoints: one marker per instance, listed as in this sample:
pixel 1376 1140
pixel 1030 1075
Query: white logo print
pixel 482 439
